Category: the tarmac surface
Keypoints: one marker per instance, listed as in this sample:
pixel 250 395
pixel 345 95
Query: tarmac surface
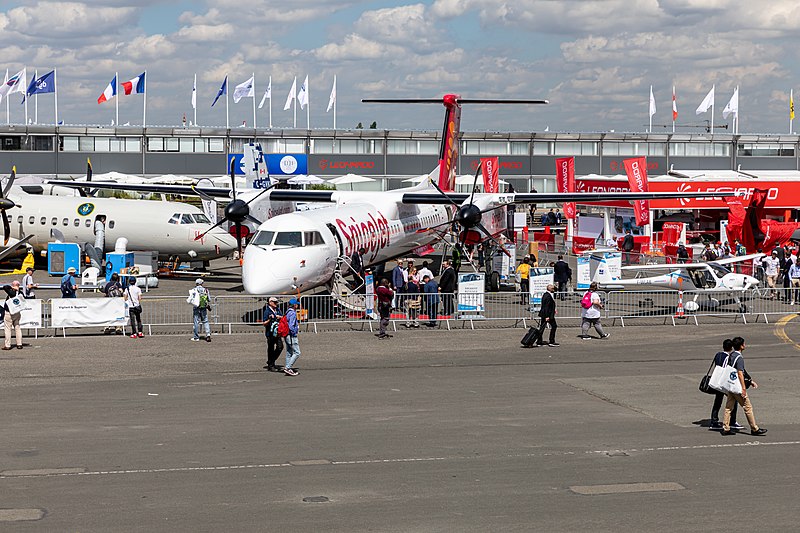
pixel 426 431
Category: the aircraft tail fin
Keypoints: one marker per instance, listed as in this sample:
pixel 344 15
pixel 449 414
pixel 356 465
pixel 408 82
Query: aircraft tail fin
pixel 255 169
pixel 448 151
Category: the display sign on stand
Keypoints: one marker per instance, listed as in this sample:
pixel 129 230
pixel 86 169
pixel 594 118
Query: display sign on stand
pixel 471 294
pixel 369 295
pixel 540 278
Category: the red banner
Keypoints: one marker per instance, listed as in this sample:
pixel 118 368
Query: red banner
pixel 636 169
pixel 491 174
pixel 776 233
pixel 672 232
pixel 565 179
pixel 581 244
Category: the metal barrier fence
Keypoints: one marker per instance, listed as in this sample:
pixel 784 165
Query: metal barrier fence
pixel 501 309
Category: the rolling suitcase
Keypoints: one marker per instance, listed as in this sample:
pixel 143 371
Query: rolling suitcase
pixel 529 340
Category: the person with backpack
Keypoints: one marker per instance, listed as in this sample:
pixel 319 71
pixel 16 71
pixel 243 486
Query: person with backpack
pixel 113 289
pixel 289 328
pixel 133 296
pixel 12 308
pixel 272 316
pixel 591 305
pixel 200 299
pixel 69 288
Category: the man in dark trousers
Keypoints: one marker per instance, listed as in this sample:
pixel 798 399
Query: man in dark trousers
pixel 447 286
pixel 627 246
pixel 357 267
pixel 547 313
pixel 562 275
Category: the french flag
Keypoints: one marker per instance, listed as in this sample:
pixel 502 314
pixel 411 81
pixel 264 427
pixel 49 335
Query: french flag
pixel 109 93
pixel 136 85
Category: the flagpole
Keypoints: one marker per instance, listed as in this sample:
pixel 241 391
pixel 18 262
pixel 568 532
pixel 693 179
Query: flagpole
pixel 8 114
pixel 294 103
pixel 55 94
pixel 227 115
pixel 254 100
pixel 308 106
pixel 35 99
pixel 194 89
pixel 336 97
pixel 712 111
pixel 116 96
pixel 25 84
pixel 791 109
pixel 270 102
pixel 673 109
pixel 144 101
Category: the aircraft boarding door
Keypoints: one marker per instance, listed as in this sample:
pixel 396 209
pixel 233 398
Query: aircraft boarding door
pixel 337 239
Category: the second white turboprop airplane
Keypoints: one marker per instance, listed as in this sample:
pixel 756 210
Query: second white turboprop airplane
pixel 171 228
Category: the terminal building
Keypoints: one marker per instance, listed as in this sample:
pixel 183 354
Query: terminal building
pixel 389 156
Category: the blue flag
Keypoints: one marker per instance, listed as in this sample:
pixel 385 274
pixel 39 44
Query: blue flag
pixel 43 84
pixel 222 90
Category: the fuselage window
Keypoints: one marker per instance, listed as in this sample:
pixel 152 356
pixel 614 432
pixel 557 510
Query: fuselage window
pixel 65 222
pixel 43 221
pixel 31 220
pixel 200 218
pixel 313 238
pixel 19 219
pixel 110 224
pixel 186 219
pixel 77 223
pixel 88 223
pixel 292 239
pixel 54 221
pixel 263 238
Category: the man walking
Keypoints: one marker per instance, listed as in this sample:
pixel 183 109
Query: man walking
pixel 272 316
pixel 200 299
pixel 447 286
pixel 69 288
pixel 772 267
pixel 742 399
pixel 590 316
pixel 627 246
pixel 292 346
pixel 562 275
pixel 719 360
pixel 384 295
pixel 547 314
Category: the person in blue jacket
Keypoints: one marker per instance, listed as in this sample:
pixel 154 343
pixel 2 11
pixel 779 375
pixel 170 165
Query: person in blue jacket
pixel 292 346
pixel 431 290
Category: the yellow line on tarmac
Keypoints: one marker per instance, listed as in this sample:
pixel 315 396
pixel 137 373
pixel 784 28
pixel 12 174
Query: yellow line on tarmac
pixel 780 331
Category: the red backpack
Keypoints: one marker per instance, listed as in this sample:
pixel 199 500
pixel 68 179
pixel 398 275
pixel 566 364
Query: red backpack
pixel 586 301
pixel 283 327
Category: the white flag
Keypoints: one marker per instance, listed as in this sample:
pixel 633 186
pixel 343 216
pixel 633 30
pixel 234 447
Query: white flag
pixel 194 93
pixel 15 84
pixel 733 105
pixel 332 99
pixel 244 90
pixel 707 102
pixel 267 94
pixel 302 94
pixel 292 95
pixel 652 102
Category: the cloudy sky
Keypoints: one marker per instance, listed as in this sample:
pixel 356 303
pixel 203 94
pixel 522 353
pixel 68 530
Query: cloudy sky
pixel 594 61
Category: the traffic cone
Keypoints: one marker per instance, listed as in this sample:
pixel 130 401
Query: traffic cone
pixel 679 311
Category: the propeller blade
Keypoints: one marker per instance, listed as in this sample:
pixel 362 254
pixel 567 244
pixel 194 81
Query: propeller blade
pixel 6 228
pixel 10 181
pixel 474 184
pixel 218 224
pixel 202 195
pixel 239 242
pixel 251 200
pixel 436 185
pixel 254 220
pixel 89 170
pixel 233 178
pixel 495 241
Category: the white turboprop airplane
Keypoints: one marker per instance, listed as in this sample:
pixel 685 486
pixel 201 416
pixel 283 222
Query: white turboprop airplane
pixel 301 250
pixel 171 228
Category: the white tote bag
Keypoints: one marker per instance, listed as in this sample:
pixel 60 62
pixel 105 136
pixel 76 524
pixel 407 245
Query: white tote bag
pixel 726 378
pixel 16 304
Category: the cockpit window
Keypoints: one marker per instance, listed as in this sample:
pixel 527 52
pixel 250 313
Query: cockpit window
pixel 292 239
pixel 186 218
pixel 719 270
pixel 175 219
pixel 313 238
pixel 263 238
pixel 200 218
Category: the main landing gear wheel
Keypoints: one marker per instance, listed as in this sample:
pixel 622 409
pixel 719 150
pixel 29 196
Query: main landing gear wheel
pixel 494 282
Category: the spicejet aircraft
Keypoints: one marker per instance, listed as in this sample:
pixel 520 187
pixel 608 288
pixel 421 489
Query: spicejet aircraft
pixel 301 250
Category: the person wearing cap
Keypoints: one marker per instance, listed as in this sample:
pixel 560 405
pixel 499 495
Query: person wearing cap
pixel 69 287
pixel 28 285
pixel 292 346
pixel 272 315
pixel 12 308
pixel 200 299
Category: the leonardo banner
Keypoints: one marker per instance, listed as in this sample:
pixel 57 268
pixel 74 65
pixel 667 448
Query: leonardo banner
pixel 565 180
pixel 636 169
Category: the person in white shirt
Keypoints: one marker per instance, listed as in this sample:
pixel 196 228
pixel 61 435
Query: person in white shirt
pixel 772 266
pixel 28 286
pixel 591 316
pixel 424 271
pixel 133 296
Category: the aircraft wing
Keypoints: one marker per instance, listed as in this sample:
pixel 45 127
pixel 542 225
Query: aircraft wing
pixel 186 190
pixel 434 197
pixel 737 259
pixel 684 266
